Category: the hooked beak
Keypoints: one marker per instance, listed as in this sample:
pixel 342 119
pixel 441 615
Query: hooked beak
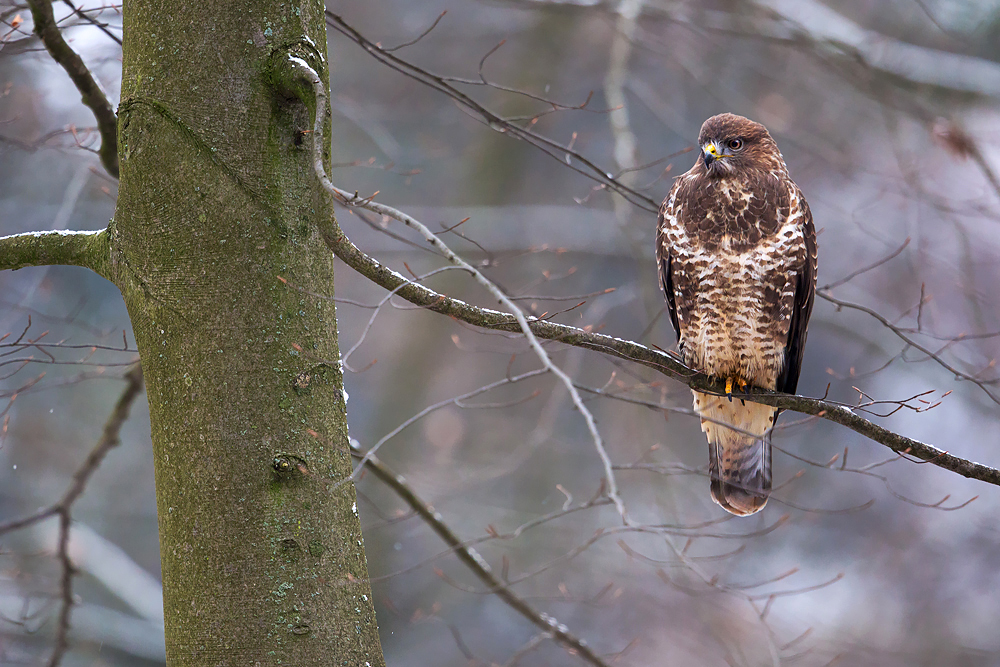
pixel 710 153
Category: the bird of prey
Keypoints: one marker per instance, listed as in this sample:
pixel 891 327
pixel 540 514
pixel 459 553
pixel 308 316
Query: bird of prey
pixel 736 250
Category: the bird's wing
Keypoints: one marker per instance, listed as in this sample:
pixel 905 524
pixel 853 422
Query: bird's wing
pixel 663 261
pixel 805 294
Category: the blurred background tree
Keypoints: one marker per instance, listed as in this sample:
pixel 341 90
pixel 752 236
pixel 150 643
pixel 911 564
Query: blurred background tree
pixel 886 114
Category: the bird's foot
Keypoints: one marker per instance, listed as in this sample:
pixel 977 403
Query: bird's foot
pixel 739 382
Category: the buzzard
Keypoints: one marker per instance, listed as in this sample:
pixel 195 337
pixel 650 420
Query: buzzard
pixel 736 250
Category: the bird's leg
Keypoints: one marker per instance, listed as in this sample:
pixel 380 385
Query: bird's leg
pixel 729 389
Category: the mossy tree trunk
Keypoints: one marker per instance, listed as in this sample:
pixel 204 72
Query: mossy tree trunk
pixel 261 547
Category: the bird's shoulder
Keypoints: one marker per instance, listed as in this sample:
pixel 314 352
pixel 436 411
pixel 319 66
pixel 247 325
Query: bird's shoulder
pixel 686 201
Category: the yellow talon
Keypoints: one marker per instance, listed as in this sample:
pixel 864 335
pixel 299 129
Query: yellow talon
pixel 729 389
pixel 742 383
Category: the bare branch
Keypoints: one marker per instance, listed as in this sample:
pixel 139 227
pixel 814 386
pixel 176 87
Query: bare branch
pixel 455 400
pixel 479 567
pixel 522 321
pixel 298 70
pixel 854 274
pixel 530 646
pixel 109 439
pixel 103 27
pixel 827 31
pixel 934 356
pixel 841 36
pixel 655 359
pixel 663 362
pixel 93 96
pixel 563 153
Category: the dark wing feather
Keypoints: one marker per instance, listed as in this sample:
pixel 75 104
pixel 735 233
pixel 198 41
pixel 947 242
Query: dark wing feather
pixel 666 273
pixel 805 294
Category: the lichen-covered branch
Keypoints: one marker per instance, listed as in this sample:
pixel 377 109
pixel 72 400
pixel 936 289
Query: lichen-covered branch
pixel 93 95
pixel 88 249
pixel 632 351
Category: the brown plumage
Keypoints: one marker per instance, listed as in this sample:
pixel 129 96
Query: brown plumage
pixel 736 249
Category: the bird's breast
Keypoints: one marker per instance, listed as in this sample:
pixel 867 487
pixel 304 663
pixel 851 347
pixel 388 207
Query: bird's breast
pixel 736 308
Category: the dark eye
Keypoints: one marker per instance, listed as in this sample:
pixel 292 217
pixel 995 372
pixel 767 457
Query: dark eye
pixel 735 144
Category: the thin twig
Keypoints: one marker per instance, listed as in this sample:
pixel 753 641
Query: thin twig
pixel 455 400
pixel 550 147
pixel 475 562
pixel 900 333
pixel 854 274
pixel 103 27
pixel 420 36
pixel 509 305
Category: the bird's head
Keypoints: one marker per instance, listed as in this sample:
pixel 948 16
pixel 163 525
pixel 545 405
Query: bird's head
pixel 733 146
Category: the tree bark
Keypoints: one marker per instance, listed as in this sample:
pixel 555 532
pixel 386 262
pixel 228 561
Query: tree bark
pixel 260 541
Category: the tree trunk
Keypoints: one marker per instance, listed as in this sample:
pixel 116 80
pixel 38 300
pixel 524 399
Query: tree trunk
pixel 260 542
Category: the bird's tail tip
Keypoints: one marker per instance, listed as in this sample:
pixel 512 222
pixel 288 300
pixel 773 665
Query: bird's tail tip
pixel 739 462
pixel 738 500
pixel 740 470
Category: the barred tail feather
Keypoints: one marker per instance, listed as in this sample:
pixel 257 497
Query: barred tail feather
pixel 739 463
pixel 741 474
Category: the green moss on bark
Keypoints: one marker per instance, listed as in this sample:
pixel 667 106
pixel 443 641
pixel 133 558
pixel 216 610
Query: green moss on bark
pixel 70 248
pixel 214 246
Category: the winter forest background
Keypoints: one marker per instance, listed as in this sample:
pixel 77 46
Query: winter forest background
pixel 887 116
